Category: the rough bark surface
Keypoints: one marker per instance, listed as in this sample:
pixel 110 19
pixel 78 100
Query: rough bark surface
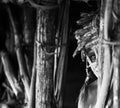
pixel 46 21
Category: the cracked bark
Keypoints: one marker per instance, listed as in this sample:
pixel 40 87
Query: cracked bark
pixel 46 29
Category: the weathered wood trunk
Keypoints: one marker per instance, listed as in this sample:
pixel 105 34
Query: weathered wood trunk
pixel 46 30
pixel 106 71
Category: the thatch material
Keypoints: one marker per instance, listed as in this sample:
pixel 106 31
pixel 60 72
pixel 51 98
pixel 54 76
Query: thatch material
pixel 87 40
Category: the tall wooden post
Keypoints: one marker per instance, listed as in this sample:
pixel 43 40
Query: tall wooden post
pixel 46 30
pixel 106 73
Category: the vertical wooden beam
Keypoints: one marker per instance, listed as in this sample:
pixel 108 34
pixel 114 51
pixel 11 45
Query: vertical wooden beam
pixel 46 30
pixel 103 89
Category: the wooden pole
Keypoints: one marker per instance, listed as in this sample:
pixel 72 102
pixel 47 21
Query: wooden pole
pixel 46 30
pixel 103 89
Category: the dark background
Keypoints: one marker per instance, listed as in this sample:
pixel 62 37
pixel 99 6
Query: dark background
pixel 75 75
